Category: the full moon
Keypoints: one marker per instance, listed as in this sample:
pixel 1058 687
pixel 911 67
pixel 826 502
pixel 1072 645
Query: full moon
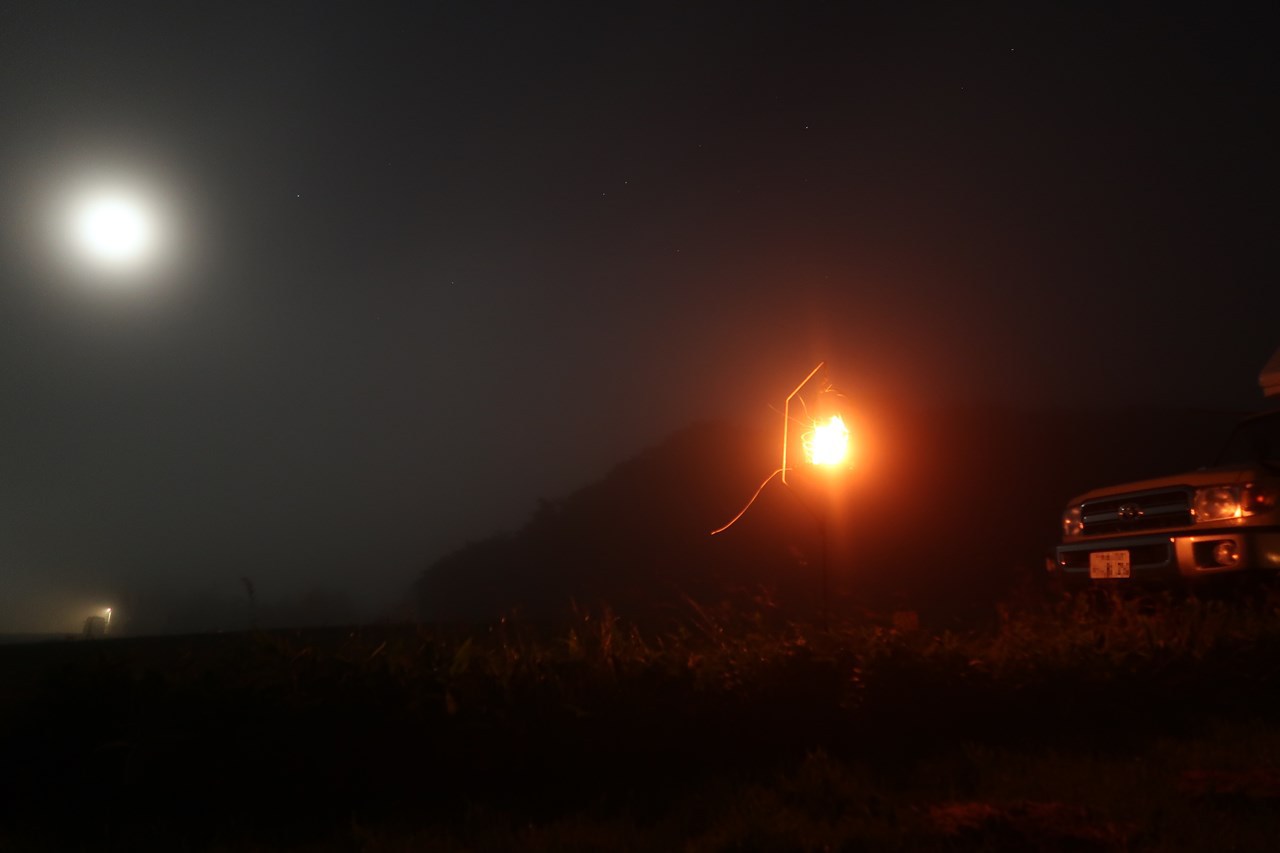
pixel 114 229
pixel 111 224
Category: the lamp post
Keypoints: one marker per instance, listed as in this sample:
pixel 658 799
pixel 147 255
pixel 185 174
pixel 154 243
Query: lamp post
pixel 826 445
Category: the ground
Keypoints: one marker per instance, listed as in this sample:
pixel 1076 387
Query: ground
pixel 1075 724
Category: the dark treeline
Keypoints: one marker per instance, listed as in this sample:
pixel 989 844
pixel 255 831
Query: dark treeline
pixel 945 510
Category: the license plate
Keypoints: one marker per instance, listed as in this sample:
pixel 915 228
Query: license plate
pixel 1109 564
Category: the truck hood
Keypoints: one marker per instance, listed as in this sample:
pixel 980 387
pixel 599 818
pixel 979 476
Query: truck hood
pixel 1221 476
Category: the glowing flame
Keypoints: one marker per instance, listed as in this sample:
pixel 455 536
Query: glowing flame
pixel 827 443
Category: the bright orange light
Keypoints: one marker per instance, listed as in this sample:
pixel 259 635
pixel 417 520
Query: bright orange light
pixel 827 443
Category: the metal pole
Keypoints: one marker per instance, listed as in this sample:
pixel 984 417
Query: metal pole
pixel 825 614
pixel 786 418
pixel 820 520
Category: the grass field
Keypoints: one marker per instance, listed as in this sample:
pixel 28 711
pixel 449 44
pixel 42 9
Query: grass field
pixel 1083 724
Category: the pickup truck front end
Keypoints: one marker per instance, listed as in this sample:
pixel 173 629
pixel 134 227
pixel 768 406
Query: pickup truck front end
pixel 1222 520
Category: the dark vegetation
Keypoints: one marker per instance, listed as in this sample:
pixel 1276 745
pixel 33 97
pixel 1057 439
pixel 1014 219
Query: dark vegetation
pixel 1073 724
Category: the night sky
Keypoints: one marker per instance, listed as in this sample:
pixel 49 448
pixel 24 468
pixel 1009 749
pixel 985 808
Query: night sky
pixel 426 263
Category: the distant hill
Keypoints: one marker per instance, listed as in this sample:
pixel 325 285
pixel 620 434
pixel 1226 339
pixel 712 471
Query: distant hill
pixel 945 509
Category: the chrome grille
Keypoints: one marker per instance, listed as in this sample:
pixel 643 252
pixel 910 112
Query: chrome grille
pixel 1137 511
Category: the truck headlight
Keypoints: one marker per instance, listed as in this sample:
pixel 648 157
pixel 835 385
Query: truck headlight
pixel 1216 503
pixel 1072 521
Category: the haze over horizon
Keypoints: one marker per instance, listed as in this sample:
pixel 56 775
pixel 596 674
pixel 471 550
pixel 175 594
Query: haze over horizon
pixel 417 267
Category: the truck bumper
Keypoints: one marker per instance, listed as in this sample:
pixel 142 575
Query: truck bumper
pixel 1156 558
